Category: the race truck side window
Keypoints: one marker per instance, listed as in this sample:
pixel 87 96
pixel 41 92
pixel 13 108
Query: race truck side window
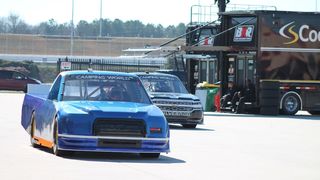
pixel 54 92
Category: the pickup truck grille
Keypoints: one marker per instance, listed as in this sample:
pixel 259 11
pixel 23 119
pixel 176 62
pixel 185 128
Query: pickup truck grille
pixel 119 127
pixel 175 108
pixel 176 102
pixel 177 105
pixel 178 110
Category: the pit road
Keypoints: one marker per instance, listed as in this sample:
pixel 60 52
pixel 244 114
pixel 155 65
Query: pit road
pixel 226 147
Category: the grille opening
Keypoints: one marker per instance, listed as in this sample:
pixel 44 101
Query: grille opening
pixel 119 127
pixel 119 143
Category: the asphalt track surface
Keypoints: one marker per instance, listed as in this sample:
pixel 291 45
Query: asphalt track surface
pixel 226 147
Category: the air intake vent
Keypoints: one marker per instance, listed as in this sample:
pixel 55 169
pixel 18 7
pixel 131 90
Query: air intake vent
pixel 119 127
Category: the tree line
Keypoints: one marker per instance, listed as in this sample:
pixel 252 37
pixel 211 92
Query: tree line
pixel 132 28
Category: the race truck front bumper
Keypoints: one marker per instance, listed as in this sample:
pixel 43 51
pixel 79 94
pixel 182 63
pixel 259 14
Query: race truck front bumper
pixel 113 144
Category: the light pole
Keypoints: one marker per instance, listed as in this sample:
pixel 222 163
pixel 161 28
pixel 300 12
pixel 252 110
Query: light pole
pixel 100 34
pixel 72 29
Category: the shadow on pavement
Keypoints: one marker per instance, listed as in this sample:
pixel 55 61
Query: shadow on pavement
pixel 303 117
pixel 298 116
pixel 116 157
pixel 122 157
pixel 178 127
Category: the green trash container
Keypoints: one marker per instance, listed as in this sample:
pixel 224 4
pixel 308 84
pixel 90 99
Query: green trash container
pixel 211 92
pixel 206 93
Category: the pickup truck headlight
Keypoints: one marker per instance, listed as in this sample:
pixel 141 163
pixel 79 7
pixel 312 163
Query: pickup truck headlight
pixel 197 103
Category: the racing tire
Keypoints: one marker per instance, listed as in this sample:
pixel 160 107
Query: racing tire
pixel 314 112
pixel 189 126
pixel 269 102
pixel 55 148
pixel 150 155
pixel 290 104
pixel 270 111
pixel 270 85
pixel 269 98
pixel 267 93
pixel 32 129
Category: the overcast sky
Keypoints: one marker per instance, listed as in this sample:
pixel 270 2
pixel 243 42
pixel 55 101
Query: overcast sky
pixel 165 12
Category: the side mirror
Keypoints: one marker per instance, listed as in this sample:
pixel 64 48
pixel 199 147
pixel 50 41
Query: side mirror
pixel 19 78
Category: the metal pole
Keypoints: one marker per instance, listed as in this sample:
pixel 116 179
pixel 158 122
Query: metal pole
pixel 170 41
pixel 72 29
pixel 100 34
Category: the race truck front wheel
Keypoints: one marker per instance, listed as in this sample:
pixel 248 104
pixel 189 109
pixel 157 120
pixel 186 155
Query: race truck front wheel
pixel 55 148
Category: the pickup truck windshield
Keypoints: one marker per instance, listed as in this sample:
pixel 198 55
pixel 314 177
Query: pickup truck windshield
pixel 104 88
pixel 160 83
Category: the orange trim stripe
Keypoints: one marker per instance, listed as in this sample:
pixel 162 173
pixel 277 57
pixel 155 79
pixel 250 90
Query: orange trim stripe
pixel 43 142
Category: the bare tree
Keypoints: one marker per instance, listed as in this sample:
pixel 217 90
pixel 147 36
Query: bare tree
pixel 3 25
pixel 23 28
pixel 13 21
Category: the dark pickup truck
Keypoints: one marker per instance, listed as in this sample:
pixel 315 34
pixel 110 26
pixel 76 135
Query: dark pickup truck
pixel 169 94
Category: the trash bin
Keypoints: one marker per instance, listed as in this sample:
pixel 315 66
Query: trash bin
pixel 206 93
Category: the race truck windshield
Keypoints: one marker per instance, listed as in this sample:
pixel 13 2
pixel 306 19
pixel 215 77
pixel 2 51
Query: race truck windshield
pixel 159 83
pixel 104 88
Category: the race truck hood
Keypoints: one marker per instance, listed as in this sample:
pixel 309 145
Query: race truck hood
pixel 78 117
pixel 94 107
pixel 178 96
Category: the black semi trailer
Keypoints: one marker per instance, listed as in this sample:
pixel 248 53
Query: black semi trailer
pixel 280 53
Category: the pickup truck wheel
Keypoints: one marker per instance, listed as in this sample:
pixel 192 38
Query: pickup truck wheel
pixel 189 126
pixel 33 127
pixel 150 155
pixel 290 104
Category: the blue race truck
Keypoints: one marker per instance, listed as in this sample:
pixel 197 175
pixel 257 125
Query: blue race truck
pixel 95 111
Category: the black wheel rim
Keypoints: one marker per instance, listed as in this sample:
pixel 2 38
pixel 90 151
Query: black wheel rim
pixel 55 140
pixel 291 104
